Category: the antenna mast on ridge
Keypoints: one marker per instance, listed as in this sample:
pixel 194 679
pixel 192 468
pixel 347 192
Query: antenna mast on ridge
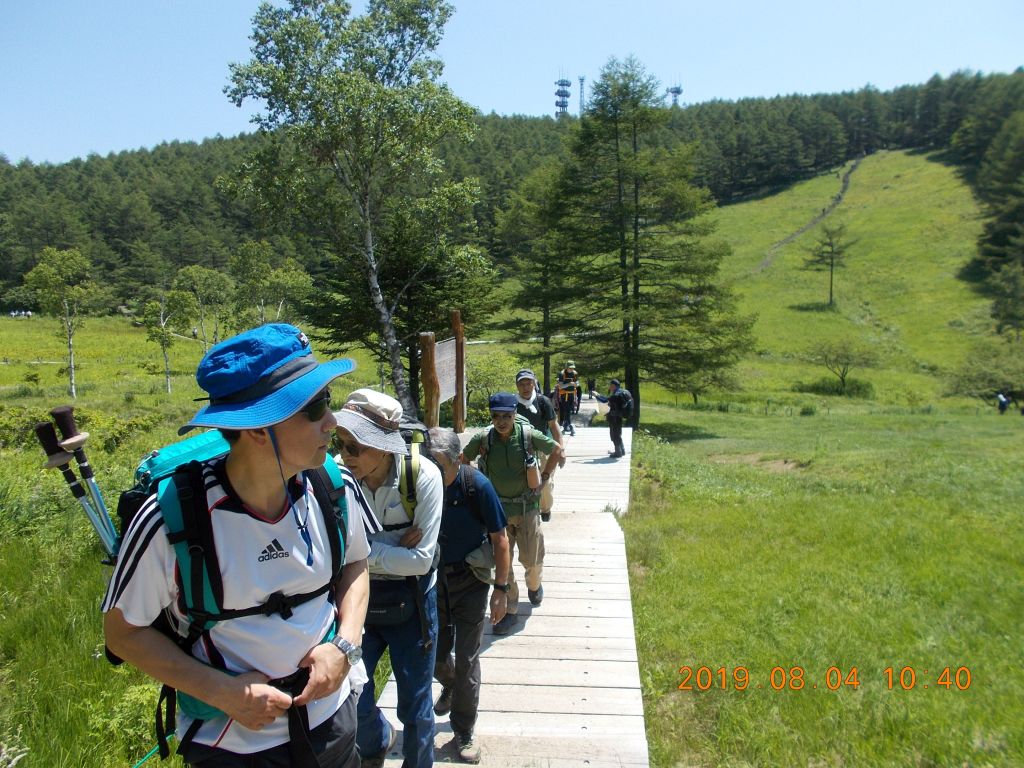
pixel 562 102
pixel 676 91
pixel 582 78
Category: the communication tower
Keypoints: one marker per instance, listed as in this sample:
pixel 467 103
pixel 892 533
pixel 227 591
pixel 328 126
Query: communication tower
pixel 582 78
pixel 676 91
pixel 562 102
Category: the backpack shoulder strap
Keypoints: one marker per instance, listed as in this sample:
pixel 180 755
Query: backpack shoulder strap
pixel 468 482
pixel 526 440
pixel 407 476
pixel 182 499
pixel 329 489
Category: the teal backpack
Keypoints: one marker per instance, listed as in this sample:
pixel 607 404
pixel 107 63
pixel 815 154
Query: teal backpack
pixel 175 474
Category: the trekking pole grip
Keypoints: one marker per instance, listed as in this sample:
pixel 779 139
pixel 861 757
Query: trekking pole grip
pixel 58 457
pixel 64 416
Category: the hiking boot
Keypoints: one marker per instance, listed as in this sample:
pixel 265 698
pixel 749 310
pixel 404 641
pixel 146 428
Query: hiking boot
pixel 469 752
pixel 444 702
pixel 505 626
pixel 378 760
pixel 536 596
pixel 546 516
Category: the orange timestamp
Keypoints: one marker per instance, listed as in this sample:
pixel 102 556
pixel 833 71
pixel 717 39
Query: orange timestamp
pixel 834 678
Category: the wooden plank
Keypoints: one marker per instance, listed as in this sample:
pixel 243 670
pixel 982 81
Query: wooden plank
pixel 591 561
pixel 556 700
pixel 555 605
pixel 558 647
pixel 528 750
pixel 557 572
pixel 584 589
pixel 538 624
pixel 573 547
pixel 539 725
pixel 565 672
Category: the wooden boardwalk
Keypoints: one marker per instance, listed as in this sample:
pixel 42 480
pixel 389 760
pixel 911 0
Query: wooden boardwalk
pixel 563 689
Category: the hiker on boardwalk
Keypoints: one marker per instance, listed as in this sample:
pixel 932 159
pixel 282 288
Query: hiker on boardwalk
pixel 472 514
pixel 267 688
pixel 508 458
pixel 539 411
pixel 566 390
pixel 402 612
pixel 620 408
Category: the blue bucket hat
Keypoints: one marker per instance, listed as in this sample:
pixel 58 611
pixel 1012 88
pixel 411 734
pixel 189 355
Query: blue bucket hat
pixel 260 378
pixel 502 402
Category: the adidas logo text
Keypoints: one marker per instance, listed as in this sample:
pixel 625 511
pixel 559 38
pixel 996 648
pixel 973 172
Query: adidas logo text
pixel 273 551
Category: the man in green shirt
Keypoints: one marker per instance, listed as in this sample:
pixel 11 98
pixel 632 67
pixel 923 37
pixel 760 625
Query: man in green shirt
pixel 508 458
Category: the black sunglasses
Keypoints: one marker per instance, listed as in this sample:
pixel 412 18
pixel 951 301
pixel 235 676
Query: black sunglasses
pixel 343 446
pixel 316 409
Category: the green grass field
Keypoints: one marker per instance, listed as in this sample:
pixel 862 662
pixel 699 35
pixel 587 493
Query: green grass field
pixel 913 225
pixel 870 539
pixel 863 534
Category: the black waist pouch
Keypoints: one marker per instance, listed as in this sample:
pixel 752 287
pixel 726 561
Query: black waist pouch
pixel 392 602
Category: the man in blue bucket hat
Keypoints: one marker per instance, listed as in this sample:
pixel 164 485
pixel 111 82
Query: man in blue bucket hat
pixel 273 687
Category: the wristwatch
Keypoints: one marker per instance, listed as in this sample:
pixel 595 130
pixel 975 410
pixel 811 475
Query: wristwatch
pixel 352 652
pixel 502 588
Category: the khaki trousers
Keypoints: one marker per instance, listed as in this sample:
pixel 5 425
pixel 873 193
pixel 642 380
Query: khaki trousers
pixel 526 532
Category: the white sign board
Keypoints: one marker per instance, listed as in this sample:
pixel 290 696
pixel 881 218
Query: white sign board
pixel 444 364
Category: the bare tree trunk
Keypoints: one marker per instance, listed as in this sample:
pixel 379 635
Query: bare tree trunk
pixel 69 328
pixel 831 272
pixel 391 343
pixel 167 369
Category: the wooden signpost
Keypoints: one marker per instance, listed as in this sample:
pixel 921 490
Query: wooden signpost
pixel 443 374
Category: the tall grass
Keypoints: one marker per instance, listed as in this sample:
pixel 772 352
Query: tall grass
pixel 68 706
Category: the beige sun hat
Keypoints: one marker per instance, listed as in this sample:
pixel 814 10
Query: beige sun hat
pixel 373 419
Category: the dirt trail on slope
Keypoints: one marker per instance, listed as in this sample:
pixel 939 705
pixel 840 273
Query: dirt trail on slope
pixel 772 252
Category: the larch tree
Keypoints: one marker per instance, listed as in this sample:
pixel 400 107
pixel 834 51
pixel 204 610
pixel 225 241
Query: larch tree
pixel 829 252
pixel 544 262
pixel 651 304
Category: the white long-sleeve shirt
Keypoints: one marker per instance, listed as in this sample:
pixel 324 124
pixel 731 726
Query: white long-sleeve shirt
pixel 387 558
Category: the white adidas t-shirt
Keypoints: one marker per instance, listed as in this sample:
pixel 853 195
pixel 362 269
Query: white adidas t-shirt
pixel 257 558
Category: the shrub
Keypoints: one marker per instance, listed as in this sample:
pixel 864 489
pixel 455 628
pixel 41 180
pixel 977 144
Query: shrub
pixel 857 388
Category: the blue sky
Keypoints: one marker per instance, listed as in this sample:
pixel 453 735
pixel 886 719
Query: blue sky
pixel 78 77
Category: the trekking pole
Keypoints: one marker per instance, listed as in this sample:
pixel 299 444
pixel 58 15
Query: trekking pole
pixel 74 441
pixel 60 459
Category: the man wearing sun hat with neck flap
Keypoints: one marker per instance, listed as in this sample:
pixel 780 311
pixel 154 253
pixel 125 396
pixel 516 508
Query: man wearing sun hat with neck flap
pixel 273 687
pixel 402 616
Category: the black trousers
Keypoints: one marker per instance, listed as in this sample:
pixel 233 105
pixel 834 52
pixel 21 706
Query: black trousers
pixel 334 742
pixel 565 407
pixel 615 428
pixel 462 611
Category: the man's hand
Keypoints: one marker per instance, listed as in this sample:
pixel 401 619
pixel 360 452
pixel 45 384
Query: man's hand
pixel 411 538
pixel 499 605
pixel 252 702
pixel 327 669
